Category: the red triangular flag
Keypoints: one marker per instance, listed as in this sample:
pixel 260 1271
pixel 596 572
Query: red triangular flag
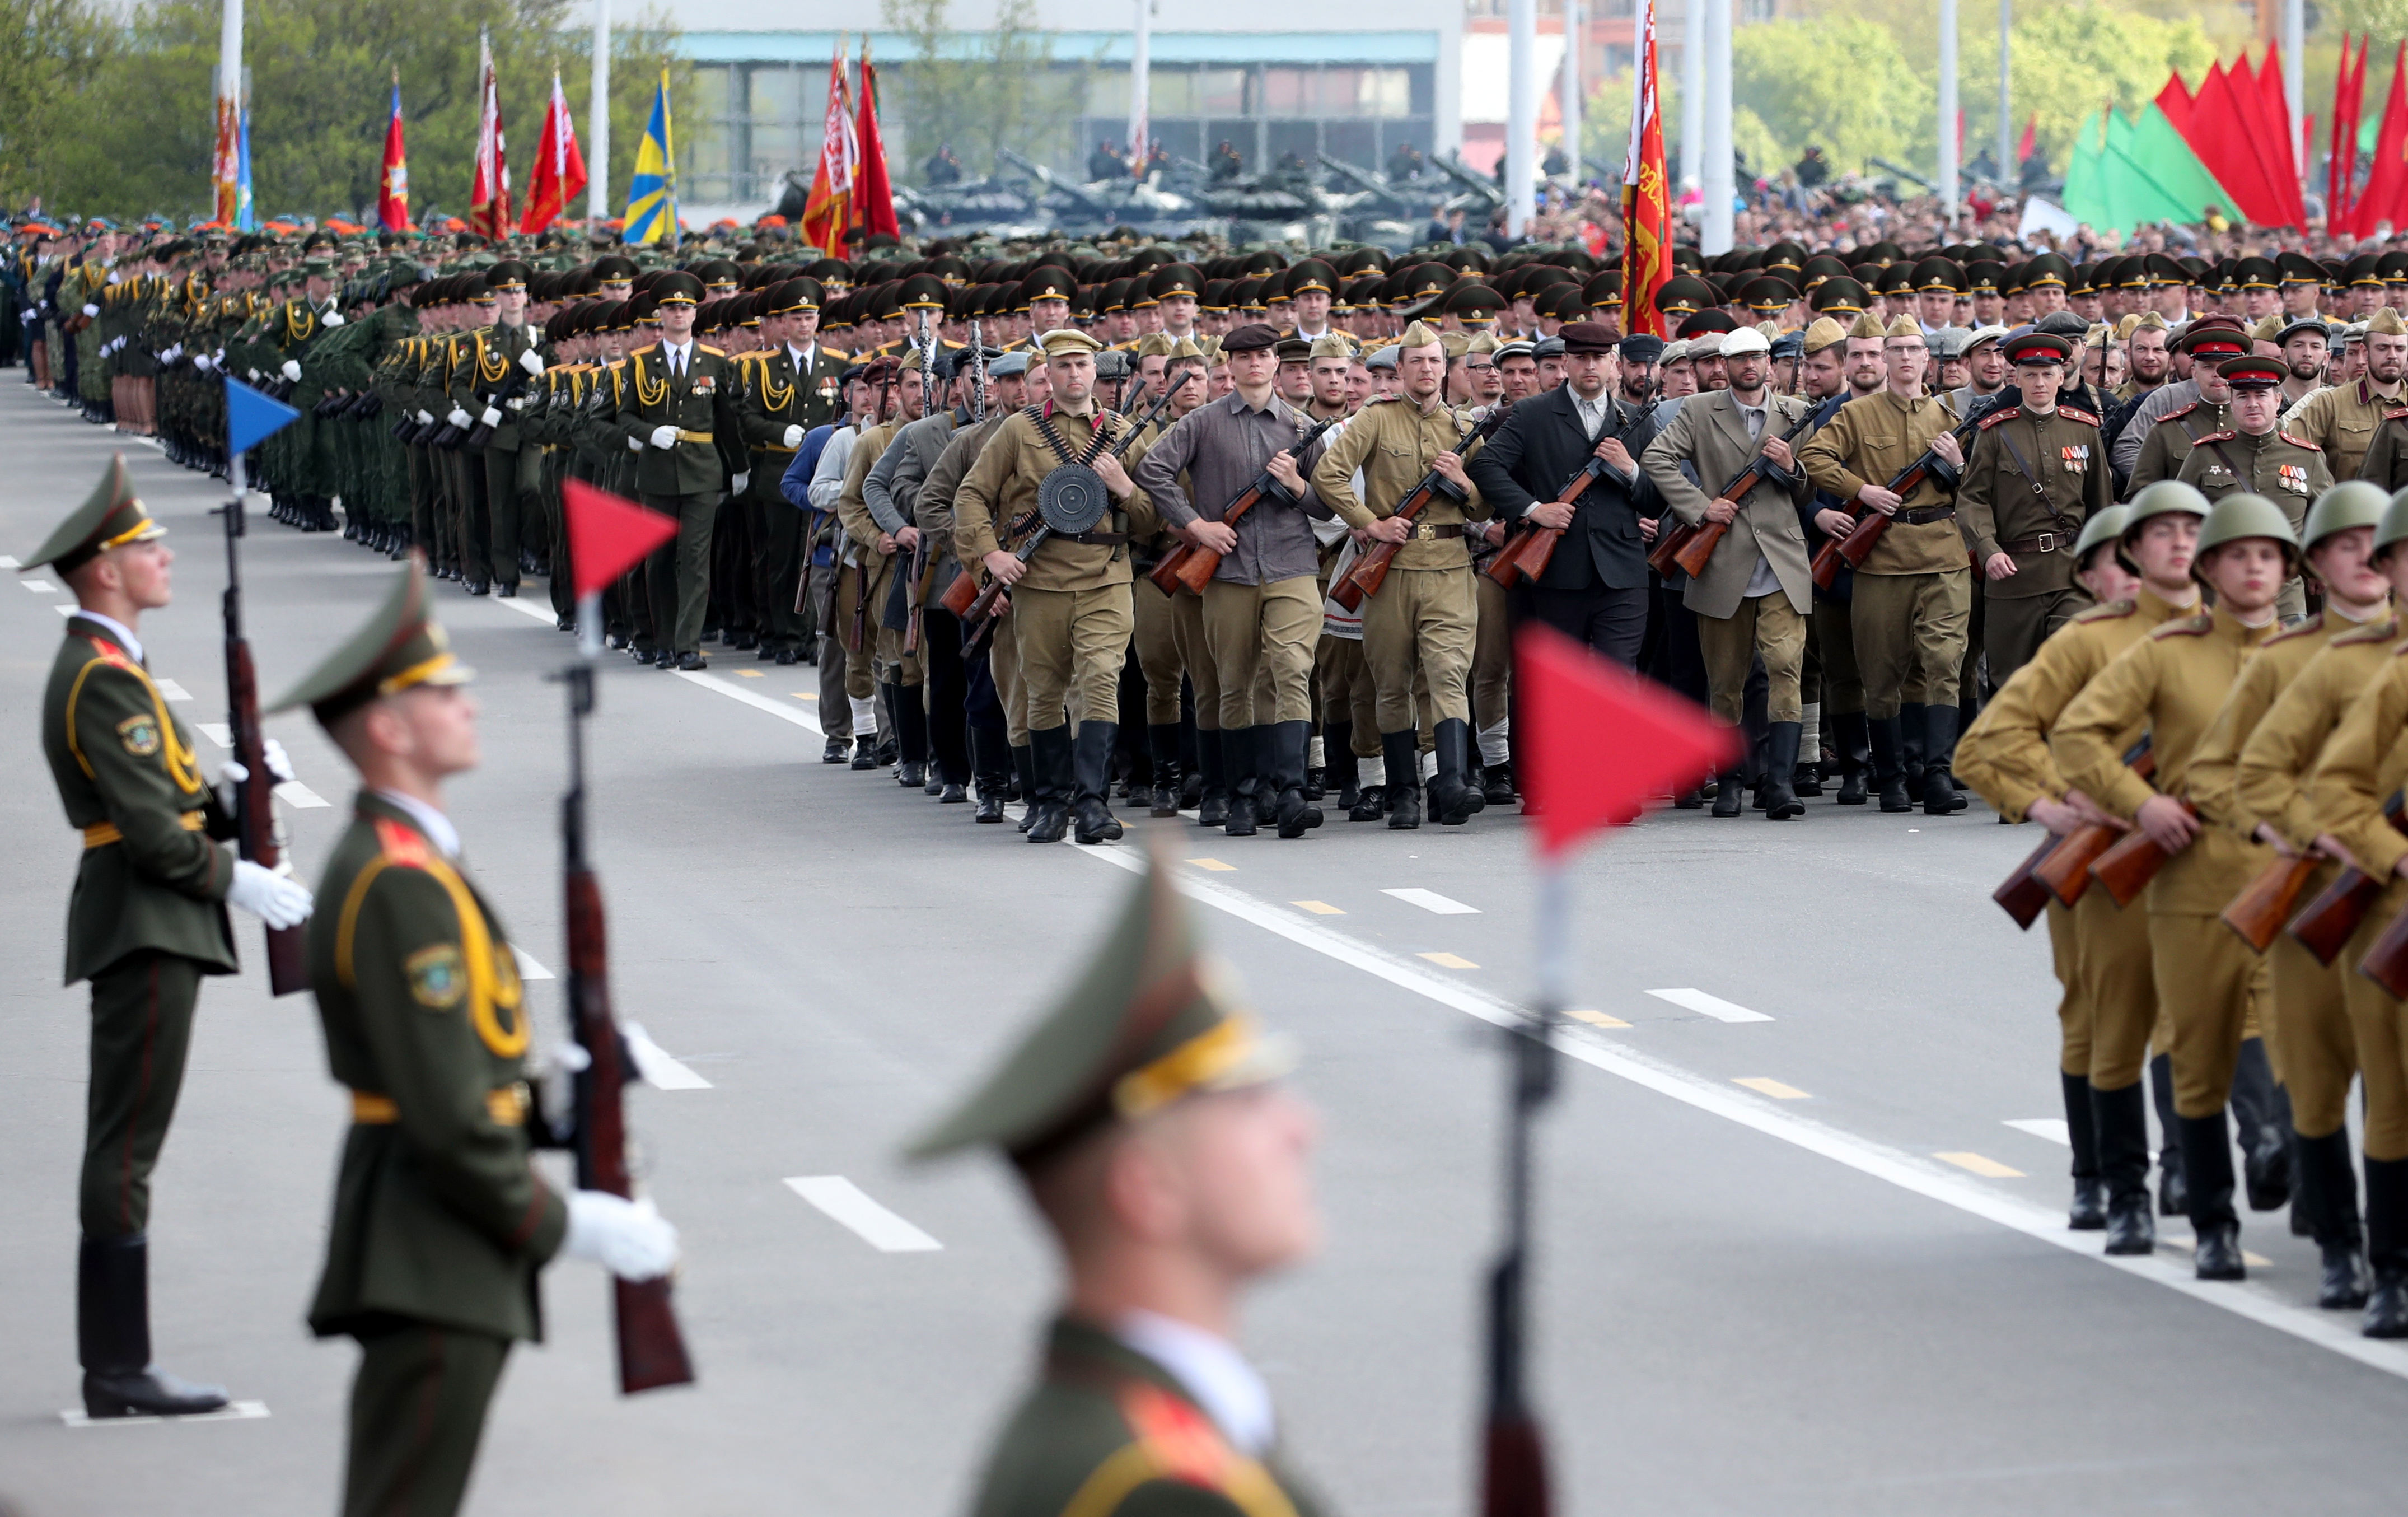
pixel 608 536
pixel 1592 741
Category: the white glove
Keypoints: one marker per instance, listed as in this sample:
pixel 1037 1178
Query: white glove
pixel 203 362
pixel 334 318
pixel 635 445
pixel 740 480
pixel 794 437
pixel 664 436
pixel 292 370
pixel 555 1073
pixel 492 415
pixel 279 766
pixel 92 310
pixel 458 418
pixel 628 1238
pixel 425 418
pixel 531 360
pixel 270 897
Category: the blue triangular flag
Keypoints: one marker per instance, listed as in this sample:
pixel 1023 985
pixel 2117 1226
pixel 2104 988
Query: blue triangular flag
pixel 252 418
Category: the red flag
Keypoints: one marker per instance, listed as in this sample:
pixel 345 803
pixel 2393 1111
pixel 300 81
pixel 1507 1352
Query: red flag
pixel 2218 133
pixel 489 193
pixel 392 184
pixel 1646 201
pixel 2030 143
pixel 1595 742
pixel 874 203
pixel 2386 176
pixel 827 214
pixel 2349 112
pixel 2174 100
pixel 608 536
pixel 225 165
pixel 559 167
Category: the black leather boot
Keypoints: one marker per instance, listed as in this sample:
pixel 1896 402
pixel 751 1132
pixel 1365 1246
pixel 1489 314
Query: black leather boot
pixel 1403 794
pixel 910 733
pixel 2263 1114
pixel 1940 794
pixel 1781 802
pixel 1092 770
pixel 1238 760
pixel 1497 782
pixel 2120 1126
pixel 1049 807
pixel 1338 764
pixel 1024 767
pixel 1212 802
pixel 2328 1194
pixel 1731 794
pixel 990 765
pixel 2174 1197
pixel 113 1336
pixel 1288 739
pixel 1452 795
pixel 865 750
pixel 1910 738
pixel 2386 1247
pixel 2089 1213
pixel 1883 739
pixel 1162 755
pixel 2207 1165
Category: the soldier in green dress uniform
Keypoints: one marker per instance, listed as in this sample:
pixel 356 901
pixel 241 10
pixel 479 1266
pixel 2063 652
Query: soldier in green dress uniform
pixel 146 923
pixel 1145 1117
pixel 440 1222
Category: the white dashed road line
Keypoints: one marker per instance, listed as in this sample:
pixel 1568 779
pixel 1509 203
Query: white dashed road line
pixel 299 796
pixel 528 967
pixel 660 1069
pixel 219 733
pixel 234 1411
pixel 39 587
pixel 2049 1128
pixel 844 1202
pixel 1709 1006
pixel 1430 901
pixel 784 712
pixel 173 691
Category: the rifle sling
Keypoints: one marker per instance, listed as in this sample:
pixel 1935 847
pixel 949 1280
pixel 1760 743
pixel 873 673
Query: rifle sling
pixel 2040 492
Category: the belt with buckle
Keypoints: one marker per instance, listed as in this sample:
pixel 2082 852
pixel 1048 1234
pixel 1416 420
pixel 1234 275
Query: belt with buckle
pixel 1922 516
pixel 2044 542
pixel 1425 531
pixel 1093 539
pixel 508 1107
pixel 683 436
pixel 102 834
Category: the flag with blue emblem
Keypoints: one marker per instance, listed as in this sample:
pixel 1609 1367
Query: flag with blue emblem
pixel 652 195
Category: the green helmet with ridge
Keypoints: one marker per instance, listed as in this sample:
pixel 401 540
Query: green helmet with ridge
pixel 2352 503
pixel 2164 498
pixel 2102 527
pixel 2393 528
pixel 2241 515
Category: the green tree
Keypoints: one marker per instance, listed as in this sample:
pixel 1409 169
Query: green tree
pixel 47 47
pixel 1840 83
pixel 2065 61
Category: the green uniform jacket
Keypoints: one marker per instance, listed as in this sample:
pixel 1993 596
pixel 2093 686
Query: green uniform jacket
pixel 1108 1433
pixel 2033 518
pixel 492 369
pixel 150 878
pixel 438 1216
pixel 703 403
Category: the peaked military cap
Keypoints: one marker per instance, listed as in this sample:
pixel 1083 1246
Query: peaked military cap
pixel 1047 283
pixel 676 287
pixel 111 517
pixel 401 648
pixel 509 274
pixel 1150 1021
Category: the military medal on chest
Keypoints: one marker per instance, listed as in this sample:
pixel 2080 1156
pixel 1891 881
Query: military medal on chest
pixel 2075 458
pixel 2293 478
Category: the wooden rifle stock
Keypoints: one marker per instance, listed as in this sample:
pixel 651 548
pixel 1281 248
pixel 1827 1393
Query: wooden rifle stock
pixel 2066 871
pixel 1857 545
pixel 1371 571
pixel 2387 959
pixel 2258 912
pixel 2021 895
pixel 1691 555
pixel 1527 556
pixel 2328 922
pixel 1191 566
pixel 2127 868
pixel 255 829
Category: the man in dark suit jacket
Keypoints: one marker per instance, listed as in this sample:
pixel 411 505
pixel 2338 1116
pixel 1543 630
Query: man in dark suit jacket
pixel 1595 587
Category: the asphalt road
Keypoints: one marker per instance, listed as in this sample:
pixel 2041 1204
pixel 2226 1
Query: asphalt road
pixel 1794 1255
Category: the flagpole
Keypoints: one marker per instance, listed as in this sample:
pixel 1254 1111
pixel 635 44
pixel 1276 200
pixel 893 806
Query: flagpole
pixel 229 104
pixel 598 186
pixel 2009 179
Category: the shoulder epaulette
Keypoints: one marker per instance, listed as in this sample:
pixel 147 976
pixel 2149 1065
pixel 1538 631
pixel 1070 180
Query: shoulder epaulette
pixel 2113 611
pixel 2187 627
pixel 2003 414
pixel 399 844
pixel 2373 632
pixel 2078 414
pixel 645 348
pixel 2299 442
pixel 715 352
pixel 2180 411
pixel 2226 435
pixel 2396 413
pixel 2313 623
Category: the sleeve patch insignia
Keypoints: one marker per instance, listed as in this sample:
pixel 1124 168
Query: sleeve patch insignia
pixel 140 735
pixel 436 979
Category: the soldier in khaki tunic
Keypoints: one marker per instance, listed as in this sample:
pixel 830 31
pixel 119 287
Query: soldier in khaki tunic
pixel 1145 1117
pixel 2175 682
pixel 2259 456
pixel 1753 599
pixel 2037 470
pixel 1070 607
pixel 1424 619
pixel 440 1223
pixel 2342 419
pixel 146 923
pixel 1912 597
pixel 2297 692
pixel 880 540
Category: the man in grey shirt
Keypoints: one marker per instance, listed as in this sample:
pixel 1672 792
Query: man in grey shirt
pixel 1262 608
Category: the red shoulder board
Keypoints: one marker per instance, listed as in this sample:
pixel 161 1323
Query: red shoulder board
pixel 2302 442
pixel 2216 436
pixel 2187 627
pixel 2396 414
pixel 2078 414
pixel 111 653
pixel 1995 417
pixel 400 844
pixel 2180 411
pixel 1185 1443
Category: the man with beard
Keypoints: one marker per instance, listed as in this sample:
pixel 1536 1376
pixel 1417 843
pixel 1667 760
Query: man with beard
pixel 2307 346
pixel 2342 421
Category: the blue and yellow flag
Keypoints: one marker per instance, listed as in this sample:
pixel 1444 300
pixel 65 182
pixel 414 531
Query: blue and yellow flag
pixel 652 195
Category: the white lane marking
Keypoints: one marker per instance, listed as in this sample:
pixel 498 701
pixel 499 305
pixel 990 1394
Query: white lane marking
pixel 1908 1172
pixel 780 710
pixel 527 608
pixel 528 967
pixel 1709 1006
pixel 219 733
pixel 173 691
pixel 843 1201
pixel 1430 901
pixel 234 1411
pixel 299 796
pixel 660 1070
pixel 8 561
pixel 39 587
pixel 2050 1128
pixel 68 610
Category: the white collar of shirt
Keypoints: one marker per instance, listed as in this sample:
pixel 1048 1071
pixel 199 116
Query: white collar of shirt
pixel 801 357
pixel 436 826
pixel 1213 1371
pixel 123 632
pixel 675 352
